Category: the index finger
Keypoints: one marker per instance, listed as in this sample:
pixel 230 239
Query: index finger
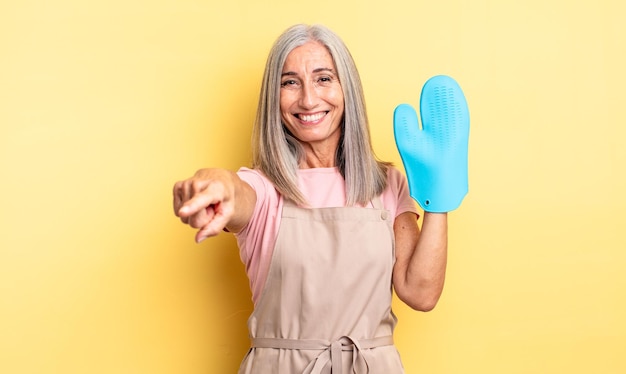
pixel 198 203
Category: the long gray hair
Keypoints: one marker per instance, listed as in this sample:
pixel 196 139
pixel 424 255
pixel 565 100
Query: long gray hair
pixel 277 153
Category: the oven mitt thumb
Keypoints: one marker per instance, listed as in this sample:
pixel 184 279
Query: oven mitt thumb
pixel 435 155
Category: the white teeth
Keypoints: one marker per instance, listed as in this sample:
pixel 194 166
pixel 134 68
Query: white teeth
pixel 311 117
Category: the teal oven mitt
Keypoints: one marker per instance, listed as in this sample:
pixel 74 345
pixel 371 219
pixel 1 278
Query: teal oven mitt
pixel 435 155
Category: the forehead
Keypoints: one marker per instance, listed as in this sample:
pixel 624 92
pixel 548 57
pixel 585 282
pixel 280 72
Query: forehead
pixel 309 56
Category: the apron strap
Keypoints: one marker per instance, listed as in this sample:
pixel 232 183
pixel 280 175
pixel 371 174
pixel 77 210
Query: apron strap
pixel 375 203
pixel 330 351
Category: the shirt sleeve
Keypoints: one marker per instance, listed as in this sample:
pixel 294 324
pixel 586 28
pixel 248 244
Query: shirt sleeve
pixel 396 197
pixel 256 239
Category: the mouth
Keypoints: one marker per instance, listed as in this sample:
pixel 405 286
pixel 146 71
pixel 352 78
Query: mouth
pixel 311 118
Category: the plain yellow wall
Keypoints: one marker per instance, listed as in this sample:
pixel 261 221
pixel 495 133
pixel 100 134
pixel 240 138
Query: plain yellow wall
pixel 105 104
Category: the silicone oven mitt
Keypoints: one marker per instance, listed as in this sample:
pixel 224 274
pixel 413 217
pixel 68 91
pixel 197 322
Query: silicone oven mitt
pixel 435 155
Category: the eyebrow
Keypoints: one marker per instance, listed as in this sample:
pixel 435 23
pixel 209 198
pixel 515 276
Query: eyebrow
pixel 318 70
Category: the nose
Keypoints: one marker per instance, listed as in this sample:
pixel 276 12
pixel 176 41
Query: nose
pixel 308 96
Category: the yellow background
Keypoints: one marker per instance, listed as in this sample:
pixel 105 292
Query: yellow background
pixel 105 104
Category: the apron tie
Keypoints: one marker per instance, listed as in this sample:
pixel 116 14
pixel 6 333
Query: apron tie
pixel 330 355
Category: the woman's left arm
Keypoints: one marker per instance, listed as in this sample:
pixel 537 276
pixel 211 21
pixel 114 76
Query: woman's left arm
pixel 421 257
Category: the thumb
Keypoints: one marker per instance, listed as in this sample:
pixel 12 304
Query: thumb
pixel 206 232
pixel 406 127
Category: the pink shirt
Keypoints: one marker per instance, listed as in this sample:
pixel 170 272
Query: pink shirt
pixel 323 188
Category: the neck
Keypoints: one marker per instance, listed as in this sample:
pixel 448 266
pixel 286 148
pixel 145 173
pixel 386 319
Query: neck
pixel 318 157
pixel 316 162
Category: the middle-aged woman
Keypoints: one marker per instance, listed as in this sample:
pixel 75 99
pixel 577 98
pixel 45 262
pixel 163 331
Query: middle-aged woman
pixel 324 228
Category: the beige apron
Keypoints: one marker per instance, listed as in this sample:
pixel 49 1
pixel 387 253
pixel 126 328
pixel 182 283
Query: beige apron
pixel 326 304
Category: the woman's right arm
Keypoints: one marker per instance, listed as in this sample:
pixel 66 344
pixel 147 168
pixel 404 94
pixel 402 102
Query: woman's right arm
pixel 214 199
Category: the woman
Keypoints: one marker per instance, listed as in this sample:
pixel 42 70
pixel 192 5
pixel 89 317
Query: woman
pixel 324 228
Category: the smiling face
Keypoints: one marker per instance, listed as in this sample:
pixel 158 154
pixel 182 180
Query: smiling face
pixel 311 100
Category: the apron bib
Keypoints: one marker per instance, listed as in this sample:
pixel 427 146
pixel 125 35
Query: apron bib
pixel 326 304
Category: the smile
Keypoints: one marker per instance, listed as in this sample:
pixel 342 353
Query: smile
pixel 311 117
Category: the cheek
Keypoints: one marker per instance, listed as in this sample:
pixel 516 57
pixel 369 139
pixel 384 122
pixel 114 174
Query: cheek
pixel 283 111
pixel 339 103
pixel 285 103
pixel 337 98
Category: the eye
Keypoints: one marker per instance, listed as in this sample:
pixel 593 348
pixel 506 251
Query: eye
pixel 288 83
pixel 325 80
